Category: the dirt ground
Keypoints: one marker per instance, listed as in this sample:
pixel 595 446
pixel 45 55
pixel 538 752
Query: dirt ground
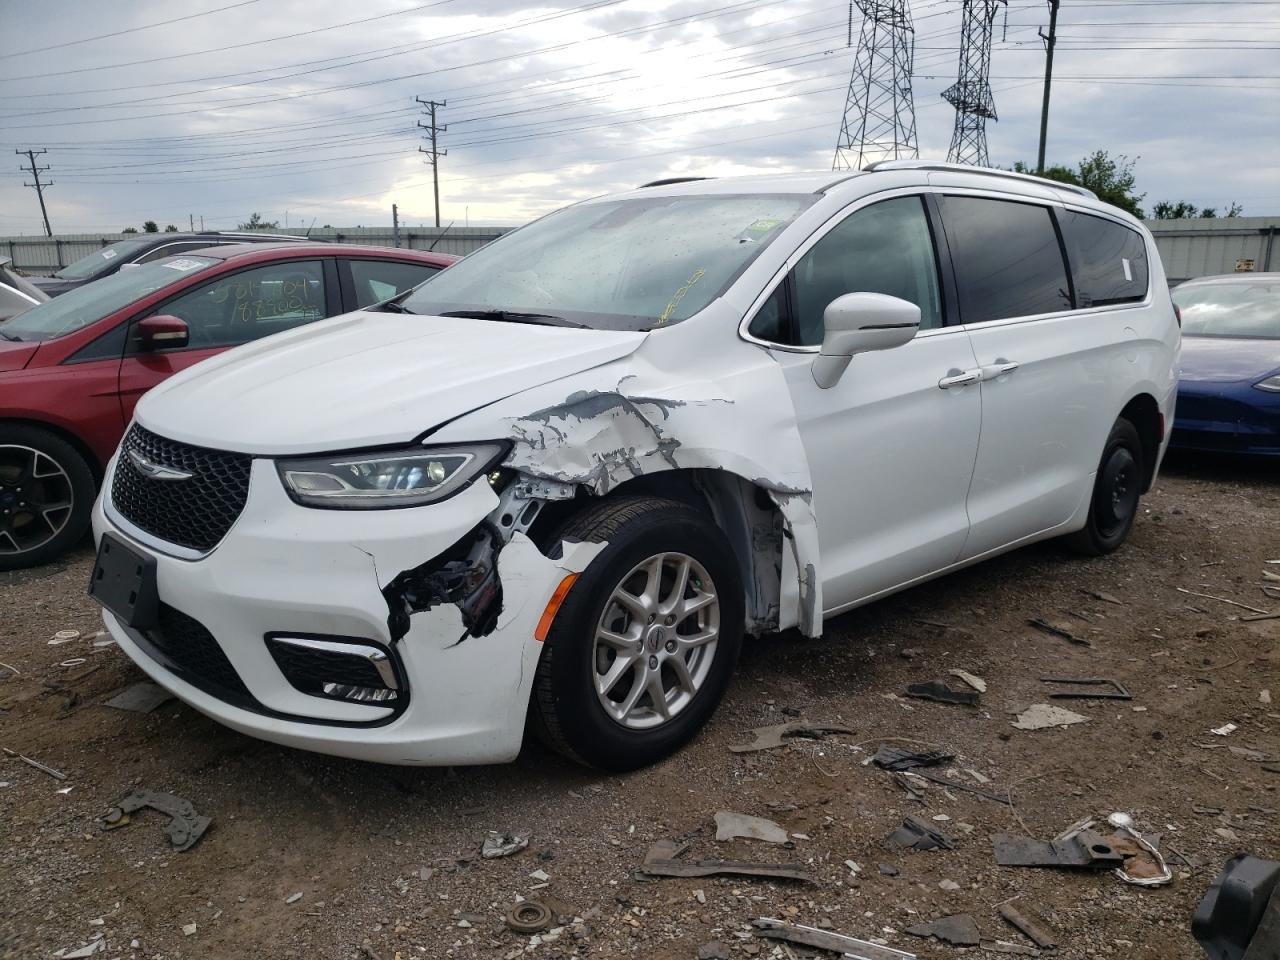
pixel 387 859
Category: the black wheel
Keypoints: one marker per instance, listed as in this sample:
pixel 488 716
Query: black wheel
pixel 643 647
pixel 46 495
pixel 1115 494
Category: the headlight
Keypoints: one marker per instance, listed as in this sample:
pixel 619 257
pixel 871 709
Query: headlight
pixel 382 479
pixel 1271 384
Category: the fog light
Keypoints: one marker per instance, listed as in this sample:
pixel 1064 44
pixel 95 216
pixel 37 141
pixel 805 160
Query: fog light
pixel 359 694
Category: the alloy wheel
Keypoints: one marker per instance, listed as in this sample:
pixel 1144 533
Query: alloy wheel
pixel 36 498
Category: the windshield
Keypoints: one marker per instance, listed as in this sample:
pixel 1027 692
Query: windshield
pixel 619 265
pixel 101 260
pixel 87 304
pixel 1244 310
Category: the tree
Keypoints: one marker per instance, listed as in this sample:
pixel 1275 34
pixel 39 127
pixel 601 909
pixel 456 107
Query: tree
pixel 1165 210
pixel 171 229
pixel 129 230
pixel 150 226
pixel 1112 179
pixel 255 222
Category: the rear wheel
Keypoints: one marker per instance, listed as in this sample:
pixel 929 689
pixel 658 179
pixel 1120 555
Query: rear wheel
pixel 1116 493
pixel 643 647
pixel 46 494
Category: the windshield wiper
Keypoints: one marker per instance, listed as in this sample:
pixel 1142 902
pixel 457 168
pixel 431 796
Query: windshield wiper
pixel 10 336
pixel 513 316
pixel 393 306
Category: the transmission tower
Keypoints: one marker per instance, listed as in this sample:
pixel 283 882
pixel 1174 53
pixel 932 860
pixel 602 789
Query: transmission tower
pixel 879 113
pixel 971 93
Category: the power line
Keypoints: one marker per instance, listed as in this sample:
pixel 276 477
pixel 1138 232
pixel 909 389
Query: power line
pixel 35 175
pixel 434 128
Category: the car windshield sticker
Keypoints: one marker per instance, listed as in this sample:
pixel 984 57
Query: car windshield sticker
pixel 755 231
pixel 679 295
pixel 108 254
pixel 1128 273
pixel 183 265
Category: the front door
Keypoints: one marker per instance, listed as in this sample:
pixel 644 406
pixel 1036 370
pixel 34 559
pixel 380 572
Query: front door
pixel 230 310
pixel 891 446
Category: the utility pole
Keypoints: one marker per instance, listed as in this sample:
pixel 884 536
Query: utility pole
pixel 191 221
pixel 35 175
pixel 395 226
pixel 433 129
pixel 1049 42
pixel 879 121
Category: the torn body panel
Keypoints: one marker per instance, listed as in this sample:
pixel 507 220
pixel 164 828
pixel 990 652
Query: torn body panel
pixel 657 411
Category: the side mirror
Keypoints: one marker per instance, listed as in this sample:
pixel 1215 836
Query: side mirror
pixel 858 323
pixel 162 332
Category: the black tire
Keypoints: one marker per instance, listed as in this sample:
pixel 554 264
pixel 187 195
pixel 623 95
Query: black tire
pixel 1116 494
pixel 566 712
pixel 30 532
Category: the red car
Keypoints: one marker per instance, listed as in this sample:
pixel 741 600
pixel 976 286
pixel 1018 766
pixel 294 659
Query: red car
pixel 72 369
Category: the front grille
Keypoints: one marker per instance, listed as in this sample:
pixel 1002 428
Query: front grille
pixel 189 649
pixel 196 512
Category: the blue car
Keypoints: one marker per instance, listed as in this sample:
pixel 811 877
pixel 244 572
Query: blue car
pixel 1229 391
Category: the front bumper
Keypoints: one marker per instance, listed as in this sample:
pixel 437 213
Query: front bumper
pixel 1218 420
pixel 288 569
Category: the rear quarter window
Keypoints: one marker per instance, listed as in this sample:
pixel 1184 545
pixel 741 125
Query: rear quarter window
pixel 1108 260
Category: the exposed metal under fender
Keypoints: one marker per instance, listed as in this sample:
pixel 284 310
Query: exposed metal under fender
pixel 618 422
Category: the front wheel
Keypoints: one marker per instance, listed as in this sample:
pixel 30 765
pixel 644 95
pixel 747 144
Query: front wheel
pixel 1116 491
pixel 46 495
pixel 643 647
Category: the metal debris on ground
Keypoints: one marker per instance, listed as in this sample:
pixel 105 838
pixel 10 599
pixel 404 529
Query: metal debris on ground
pixel 293 897
pixel 1104 597
pixel 56 774
pixel 184 828
pixel 1225 730
pixel 938 691
pixel 972 680
pixel 140 698
pixel 917 834
pixel 503 844
pixel 778 734
pixel 528 916
pixel 1143 865
pixel 1040 716
pixel 1031 926
pixel 1113 689
pixel 960 930
pixel 1209 596
pixel 1086 849
pixel 661 861
pixel 88 950
pixel 895 758
pixel 826 940
pixel 1047 627
pixel 1013 949
pixel 733 826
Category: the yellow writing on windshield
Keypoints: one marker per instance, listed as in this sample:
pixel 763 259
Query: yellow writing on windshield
pixel 679 295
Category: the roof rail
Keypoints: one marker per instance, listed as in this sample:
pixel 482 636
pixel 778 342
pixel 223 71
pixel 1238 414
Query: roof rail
pixel 943 166
pixel 670 180
pixel 254 234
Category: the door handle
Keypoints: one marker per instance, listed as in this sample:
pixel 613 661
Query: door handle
pixel 998 369
pixel 960 379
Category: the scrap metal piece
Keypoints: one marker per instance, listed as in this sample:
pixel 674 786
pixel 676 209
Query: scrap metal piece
pixel 1143 865
pixel 957 785
pixel 938 691
pixel 1085 850
pixel 528 916
pixel 56 774
pixel 1047 627
pixel 960 930
pixel 917 834
pixel 731 826
pixel 140 698
pixel 1117 691
pixel 184 828
pixel 660 861
pixel 503 844
pixel 895 758
pixel 848 947
pixel 777 735
pixel 1033 928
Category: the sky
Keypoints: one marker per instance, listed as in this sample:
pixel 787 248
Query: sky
pixel 205 111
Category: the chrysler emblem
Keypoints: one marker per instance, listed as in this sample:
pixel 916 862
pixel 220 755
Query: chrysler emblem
pixel 156 471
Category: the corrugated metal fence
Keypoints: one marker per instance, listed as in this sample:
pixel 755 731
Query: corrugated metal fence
pixel 41 256
pixel 1203 248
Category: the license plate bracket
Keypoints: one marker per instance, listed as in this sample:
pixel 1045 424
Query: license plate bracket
pixel 124 582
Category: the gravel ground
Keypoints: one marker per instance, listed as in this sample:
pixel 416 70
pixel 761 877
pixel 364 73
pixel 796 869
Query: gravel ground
pixel 386 860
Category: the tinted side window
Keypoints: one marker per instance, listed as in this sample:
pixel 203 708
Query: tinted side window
pixel 378 280
pixel 1108 260
pixel 1007 259
pixel 884 248
pixel 255 303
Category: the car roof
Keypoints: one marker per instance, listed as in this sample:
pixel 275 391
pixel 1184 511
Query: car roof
pixel 276 251
pixel 1242 277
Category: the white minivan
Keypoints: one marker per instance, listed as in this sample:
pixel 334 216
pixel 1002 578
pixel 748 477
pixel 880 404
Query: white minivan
pixel 553 486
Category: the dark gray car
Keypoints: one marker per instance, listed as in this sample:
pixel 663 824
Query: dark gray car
pixel 17 293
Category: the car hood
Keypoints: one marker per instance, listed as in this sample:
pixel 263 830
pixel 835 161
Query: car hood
pixel 365 379
pixel 16 355
pixel 1227 360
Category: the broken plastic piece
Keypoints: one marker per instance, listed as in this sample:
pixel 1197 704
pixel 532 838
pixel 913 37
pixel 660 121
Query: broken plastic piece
pixel 731 826
pixel 1040 716
pixel 895 758
pixel 959 931
pixel 140 698
pixel 916 834
pixel 503 844
pixel 184 829
pixel 940 692
pixel 826 940
pixel 1239 917
pixel 1084 850
pixel 974 681
pixel 777 735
